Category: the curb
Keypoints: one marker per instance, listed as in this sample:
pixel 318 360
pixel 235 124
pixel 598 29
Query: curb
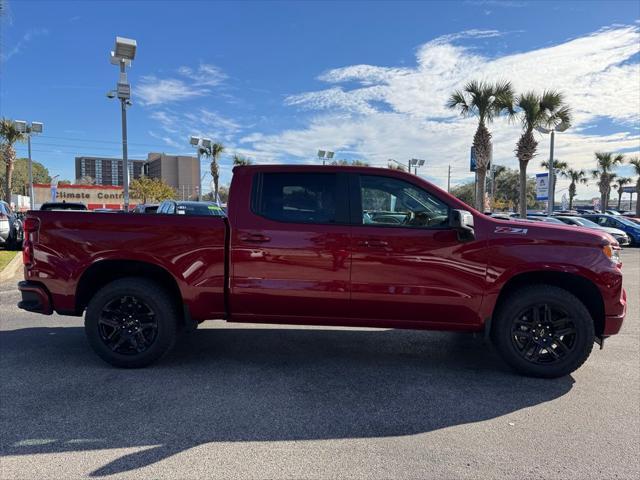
pixel 12 268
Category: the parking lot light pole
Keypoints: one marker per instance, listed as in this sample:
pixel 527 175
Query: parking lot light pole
pixel 29 129
pixel 123 55
pixel 416 162
pixel 200 144
pixel 552 177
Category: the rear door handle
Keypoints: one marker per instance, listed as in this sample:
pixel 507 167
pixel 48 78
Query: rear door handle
pixel 372 243
pixel 376 243
pixel 255 238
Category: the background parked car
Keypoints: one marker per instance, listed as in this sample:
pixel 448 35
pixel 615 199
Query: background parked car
pixel 11 232
pixel 176 207
pixel 146 208
pixel 632 229
pixel 541 218
pixel 63 206
pixel 619 235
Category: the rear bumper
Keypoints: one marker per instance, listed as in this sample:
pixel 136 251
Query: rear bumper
pixel 35 298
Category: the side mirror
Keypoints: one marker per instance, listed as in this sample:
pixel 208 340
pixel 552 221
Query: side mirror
pixel 462 221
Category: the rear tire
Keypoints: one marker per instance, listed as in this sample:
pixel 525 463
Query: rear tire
pixel 131 322
pixel 543 331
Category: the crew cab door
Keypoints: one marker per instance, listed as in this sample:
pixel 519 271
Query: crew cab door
pixel 408 265
pixel 290 259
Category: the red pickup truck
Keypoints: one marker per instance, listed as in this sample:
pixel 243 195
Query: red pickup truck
pixel 344 246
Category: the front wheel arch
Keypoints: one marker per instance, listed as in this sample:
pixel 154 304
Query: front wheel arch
pixel 582 288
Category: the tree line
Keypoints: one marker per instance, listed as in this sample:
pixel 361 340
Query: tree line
pixel 533 110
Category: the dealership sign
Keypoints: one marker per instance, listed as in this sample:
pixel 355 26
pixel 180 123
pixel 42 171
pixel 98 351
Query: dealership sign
pixel 93 196
pixel 542 186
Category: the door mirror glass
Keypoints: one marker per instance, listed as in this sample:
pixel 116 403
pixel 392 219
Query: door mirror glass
pixel 462 221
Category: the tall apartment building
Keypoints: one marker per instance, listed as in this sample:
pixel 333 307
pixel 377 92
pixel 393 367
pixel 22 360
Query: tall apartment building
pixel 182 172
pixel 107 171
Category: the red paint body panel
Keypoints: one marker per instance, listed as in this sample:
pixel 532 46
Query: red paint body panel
pixel 322 274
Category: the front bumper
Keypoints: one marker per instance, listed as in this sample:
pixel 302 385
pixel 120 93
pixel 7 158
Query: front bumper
pixel 613 323
pixel 622 241
pixel 35 298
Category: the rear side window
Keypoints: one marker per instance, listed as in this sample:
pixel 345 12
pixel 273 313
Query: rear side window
pixel 296 197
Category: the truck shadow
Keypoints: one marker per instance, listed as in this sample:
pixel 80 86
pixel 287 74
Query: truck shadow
pixel 241 384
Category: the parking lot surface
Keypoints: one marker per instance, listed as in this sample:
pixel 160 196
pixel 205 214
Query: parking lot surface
pixel 255 401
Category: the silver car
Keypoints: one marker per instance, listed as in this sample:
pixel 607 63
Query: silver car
pixel 621 237
pixel 10 228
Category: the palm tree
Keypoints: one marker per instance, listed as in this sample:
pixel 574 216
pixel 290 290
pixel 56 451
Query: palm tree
pixel 213 152
pixel 9 135
pixel 239 160
pixel 485 101
pixel 576 177
pixel 636 166
pixel 620 183
pixel 547 110
pixel 604 174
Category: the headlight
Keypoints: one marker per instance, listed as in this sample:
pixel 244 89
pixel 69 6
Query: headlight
pixel 613 253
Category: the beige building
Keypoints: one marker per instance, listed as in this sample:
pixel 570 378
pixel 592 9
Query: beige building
pixel 182 172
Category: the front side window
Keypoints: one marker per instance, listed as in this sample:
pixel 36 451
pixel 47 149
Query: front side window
pixel 396 203
pixel 297 197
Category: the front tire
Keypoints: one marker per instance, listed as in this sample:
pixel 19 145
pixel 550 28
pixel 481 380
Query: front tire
pixel 543 331
pixel 131 322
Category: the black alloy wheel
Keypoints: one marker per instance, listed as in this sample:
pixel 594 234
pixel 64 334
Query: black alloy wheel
pixel 128 325
pixel 543 334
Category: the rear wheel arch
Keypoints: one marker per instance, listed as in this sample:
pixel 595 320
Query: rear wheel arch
pixel 582 288
pixel 106 271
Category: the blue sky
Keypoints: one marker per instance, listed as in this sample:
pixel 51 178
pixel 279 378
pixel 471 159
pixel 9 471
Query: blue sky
pixel 278 80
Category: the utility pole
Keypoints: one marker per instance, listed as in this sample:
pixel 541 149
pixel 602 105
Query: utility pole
pixel 449 179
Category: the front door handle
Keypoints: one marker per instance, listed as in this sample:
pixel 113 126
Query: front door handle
pixel 377 243
pixel 372 243
pixel 255 238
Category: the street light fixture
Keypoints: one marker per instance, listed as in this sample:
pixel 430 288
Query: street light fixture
pixel 325 155
pixel 29 129
pixel 415 162
pixel 123 54
pixel 560 127
pixel 200 144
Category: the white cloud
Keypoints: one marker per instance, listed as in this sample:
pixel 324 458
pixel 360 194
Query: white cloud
pixel 197 82
pixel 205 74
pixel 22 43
pixel 378 112
pixel 154 91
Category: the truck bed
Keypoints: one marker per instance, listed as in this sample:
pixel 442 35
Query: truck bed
pixel 71 245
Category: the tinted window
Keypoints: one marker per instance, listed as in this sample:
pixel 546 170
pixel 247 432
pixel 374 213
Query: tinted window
pixel 297 197
pixel 396 203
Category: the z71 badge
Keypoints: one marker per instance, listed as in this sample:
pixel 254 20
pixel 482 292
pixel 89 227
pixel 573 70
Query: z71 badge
pixel 511 230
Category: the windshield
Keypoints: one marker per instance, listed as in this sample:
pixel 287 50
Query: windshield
pixel 586 223
pixel 626 221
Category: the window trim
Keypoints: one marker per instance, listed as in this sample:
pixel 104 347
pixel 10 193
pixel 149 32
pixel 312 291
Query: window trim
pixel 356 205
pixel 342 198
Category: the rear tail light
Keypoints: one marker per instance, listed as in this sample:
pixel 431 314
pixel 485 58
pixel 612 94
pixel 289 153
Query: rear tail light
pixel 31 227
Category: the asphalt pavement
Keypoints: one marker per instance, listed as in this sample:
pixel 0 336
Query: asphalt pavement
pixel 255 401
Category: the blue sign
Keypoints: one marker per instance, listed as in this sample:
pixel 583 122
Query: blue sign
pixel 542 186
pixel 473 163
